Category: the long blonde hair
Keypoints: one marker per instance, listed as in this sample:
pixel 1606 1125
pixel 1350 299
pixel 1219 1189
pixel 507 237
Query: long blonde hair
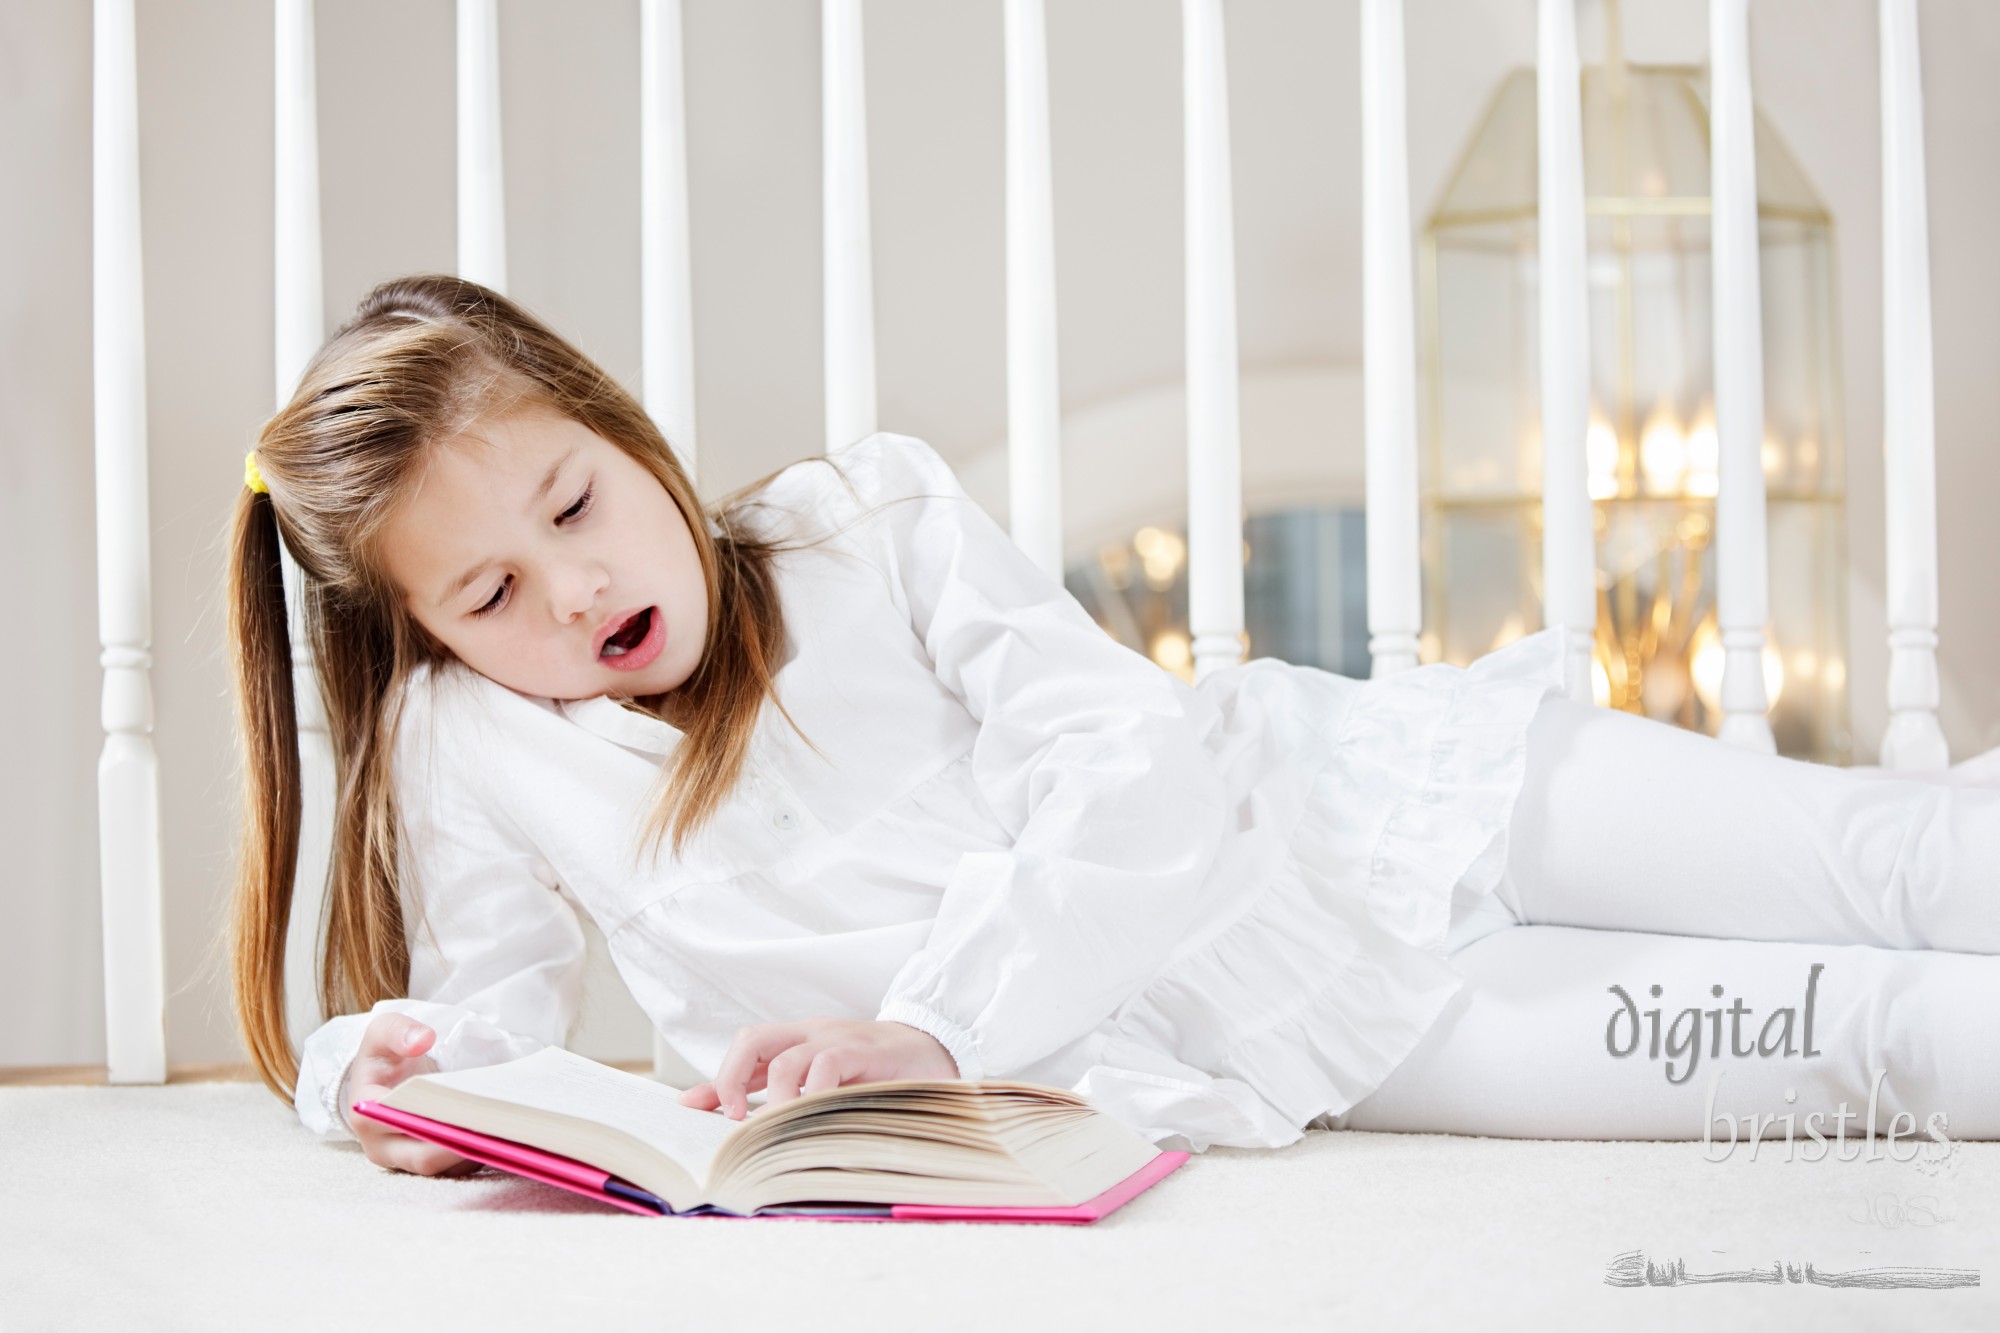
pixel 423 358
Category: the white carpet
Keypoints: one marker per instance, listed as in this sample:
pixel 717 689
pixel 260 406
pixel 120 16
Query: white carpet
pixel 205 1206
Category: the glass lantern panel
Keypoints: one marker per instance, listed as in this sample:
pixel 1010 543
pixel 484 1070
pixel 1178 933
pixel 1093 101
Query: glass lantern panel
pixel 1645 135
pixel 1782 184
pixel 1801 372
pixel 1485 408
pixel 1496 176
pixel 1645 145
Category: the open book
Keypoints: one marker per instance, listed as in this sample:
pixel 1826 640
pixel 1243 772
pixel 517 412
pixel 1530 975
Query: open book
pixel 910 1147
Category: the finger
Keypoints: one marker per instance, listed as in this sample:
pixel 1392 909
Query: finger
pixel 415 1039
pixel 785 1072
pixel 399 1152
pixel 383 1072
pixel 749 1050
pixel 701 1097
pixel 825 1072
pixel 427 1159
pixel 396 1036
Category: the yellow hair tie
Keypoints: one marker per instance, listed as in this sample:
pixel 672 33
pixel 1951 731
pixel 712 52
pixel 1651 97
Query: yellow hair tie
pixel 251 476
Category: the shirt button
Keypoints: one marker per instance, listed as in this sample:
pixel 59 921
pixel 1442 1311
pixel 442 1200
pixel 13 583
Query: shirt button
pixel 786 820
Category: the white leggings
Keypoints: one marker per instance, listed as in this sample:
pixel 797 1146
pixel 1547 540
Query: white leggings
pixel 1643 856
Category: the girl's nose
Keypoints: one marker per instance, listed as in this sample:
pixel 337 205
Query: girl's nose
pixel 574 590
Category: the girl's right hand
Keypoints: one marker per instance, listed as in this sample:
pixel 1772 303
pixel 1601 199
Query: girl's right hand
pixel 392 1049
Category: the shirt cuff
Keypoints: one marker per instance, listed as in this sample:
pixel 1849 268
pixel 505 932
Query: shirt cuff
pixel 955 1039
pixel 340 1101
pixel 324 1065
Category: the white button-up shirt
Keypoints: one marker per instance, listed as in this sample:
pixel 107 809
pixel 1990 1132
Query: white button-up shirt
pixel 1218 912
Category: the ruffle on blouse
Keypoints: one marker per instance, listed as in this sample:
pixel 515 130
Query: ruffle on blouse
pixel 1330 980
pixel 1452 830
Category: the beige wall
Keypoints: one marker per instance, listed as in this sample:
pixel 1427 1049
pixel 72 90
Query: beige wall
pixel 935 103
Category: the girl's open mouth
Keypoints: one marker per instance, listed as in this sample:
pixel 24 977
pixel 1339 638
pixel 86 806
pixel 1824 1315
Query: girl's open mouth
pixel 637 642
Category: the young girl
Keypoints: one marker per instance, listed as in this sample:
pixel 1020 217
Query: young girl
pixel 973 836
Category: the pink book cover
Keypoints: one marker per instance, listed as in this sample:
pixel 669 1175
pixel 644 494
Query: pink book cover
pixel 581 1178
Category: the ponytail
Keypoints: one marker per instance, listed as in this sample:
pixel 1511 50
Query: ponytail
pixel 261 658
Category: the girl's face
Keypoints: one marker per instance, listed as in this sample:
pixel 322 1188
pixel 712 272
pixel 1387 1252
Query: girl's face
pixel 535 550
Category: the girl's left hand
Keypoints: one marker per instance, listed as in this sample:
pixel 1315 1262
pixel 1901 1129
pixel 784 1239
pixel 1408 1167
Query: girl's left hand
pixel 791 1059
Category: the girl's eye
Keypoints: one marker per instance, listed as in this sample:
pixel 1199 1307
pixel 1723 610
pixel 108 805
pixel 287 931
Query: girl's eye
pixel 569 515
pixel 493 603
pixel 580 508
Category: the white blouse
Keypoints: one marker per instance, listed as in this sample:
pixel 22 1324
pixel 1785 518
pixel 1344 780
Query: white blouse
pixel 1218 912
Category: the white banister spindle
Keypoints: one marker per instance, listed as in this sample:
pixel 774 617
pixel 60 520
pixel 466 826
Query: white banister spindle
pixel 1215 472
pixel 666 280
pixel 666 343
pixel 1742 593
pixel 1914 740
pixel 1569 579
pixel 1388 346
pixel 1034 407
pixel 849 272
pixel 128 772
pixel 301 310
pixel 299 322
pixel 482 196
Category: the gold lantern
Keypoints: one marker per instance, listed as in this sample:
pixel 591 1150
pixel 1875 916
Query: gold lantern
pixel 1651 445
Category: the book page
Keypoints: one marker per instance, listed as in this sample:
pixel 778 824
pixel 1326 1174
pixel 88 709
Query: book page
pixel 566 1084
pixel 898 1141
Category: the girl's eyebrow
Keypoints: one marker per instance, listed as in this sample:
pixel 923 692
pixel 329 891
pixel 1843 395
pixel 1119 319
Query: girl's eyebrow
pixel 464 580
pixel 548 481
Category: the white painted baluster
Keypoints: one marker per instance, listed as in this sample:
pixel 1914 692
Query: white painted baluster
pixel 1569 578
pixel 849 276
pixel 1914 740
pixel 666 283
pixel 666 349
pixel 128 772
pixel 482 197
pixel 1034 406
pixel 301 309
pixel 1388 346
pixel 299 326
pixel 1215 471
pixel 1742 592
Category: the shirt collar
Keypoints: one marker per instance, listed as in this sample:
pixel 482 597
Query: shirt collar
pixel 610 719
